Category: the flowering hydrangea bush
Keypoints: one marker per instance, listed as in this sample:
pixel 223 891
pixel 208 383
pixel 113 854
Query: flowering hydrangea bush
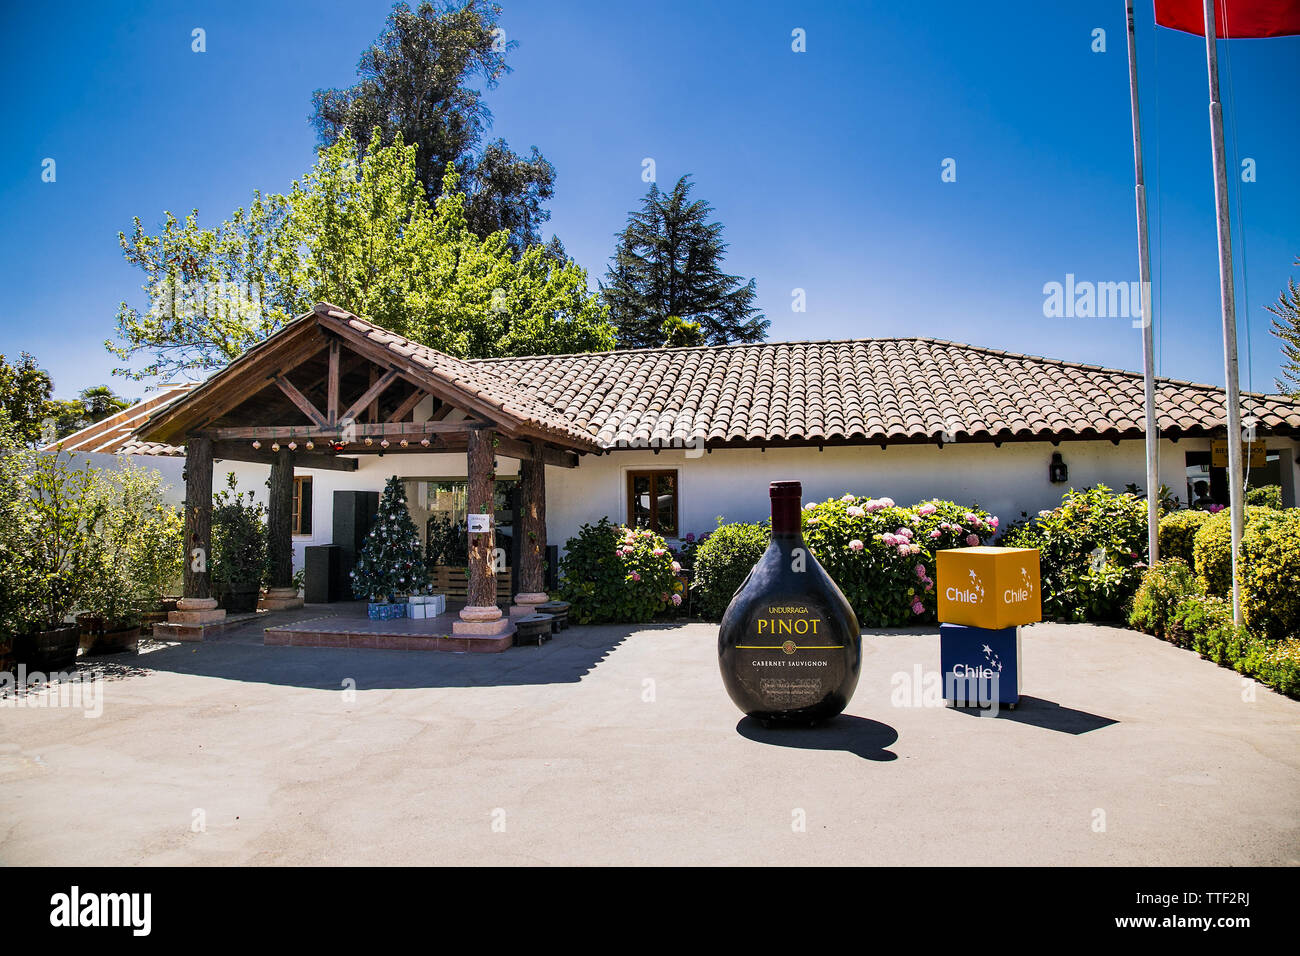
pixel 882 555
pixel 612 573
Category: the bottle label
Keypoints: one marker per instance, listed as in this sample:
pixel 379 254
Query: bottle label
pixel 789 657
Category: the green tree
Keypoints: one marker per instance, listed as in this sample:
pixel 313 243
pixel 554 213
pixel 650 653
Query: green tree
pixel 25 390
pixel 668 264
pixel 91 405
pixel 417 82
pixel 1287 328
pixel 357 230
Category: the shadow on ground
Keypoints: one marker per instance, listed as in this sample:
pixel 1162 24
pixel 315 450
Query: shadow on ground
pixel 1046 714
pixel 863 738
pixel 240 655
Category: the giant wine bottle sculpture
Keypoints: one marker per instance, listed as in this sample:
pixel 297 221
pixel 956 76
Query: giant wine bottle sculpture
pixel 789 646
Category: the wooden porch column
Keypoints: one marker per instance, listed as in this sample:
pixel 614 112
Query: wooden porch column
pixel 280 592
pixel 532 544
pixel 198 523
pixel 197 609
pixel 481 605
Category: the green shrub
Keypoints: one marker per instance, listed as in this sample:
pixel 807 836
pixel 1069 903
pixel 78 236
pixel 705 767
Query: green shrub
pixel 722 562
pixel 1270 574
pixel 1162 588
pixel 1205 623
pixel 1212 549
pixel 1178 532
pixel 1277 665
pixel 1092 552
pixel 238 537
pixel 1265 496
pixel 610 573
pixel 882 555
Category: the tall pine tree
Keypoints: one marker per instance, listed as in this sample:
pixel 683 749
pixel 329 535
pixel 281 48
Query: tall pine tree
pixel 391 562
pixel 1288 330
pixel 668 265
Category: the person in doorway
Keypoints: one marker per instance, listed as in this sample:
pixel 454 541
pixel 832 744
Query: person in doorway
pixel 1203 500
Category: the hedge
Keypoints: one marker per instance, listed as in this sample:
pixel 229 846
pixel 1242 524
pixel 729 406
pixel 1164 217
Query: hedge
pixel 1212 549
pixel 613 573
pixel 723 561
pixel 1178 532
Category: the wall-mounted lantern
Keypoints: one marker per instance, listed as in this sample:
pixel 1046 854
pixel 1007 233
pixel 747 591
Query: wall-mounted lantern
pixel 1058 472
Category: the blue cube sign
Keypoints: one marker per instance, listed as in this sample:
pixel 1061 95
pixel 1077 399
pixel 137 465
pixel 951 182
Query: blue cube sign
pixel 980 666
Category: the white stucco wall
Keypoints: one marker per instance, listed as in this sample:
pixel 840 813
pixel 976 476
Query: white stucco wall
pixel 733 483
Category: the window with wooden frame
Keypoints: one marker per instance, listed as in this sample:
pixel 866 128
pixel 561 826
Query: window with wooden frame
pixel 652 501
pixel 302 505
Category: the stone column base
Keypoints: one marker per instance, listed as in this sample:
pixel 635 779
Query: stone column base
pixel 281 599
pixel 526 603
pixel 479 613
pixel 501 627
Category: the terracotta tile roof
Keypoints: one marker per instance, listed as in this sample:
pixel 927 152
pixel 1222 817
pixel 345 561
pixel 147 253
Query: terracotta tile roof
pixel 115 434
pixel 869 390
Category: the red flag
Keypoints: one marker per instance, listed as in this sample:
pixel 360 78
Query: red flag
pixel 1234 19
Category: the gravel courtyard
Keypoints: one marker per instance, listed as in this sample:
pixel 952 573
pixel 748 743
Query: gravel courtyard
pixel 618 745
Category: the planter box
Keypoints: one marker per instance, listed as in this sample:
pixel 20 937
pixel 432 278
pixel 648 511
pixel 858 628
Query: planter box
pixel 53 650
pixel 980 666
pixel 115 642
pixel 240 598
pixel 454 583
pixel 992 588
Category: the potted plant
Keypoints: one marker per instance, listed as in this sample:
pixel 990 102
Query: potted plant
pixel 238 548
pixel 53 551
pixel 140 557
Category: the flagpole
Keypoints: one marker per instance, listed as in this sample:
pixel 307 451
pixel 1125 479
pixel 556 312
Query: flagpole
pixel 1231 388
pixel 1148 314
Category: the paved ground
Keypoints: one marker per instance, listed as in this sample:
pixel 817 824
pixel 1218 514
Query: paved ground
pixel 615 745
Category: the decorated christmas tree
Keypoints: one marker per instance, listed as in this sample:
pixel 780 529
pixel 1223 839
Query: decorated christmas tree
pixel 391 561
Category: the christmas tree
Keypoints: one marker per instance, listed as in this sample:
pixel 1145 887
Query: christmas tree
pixel 391 561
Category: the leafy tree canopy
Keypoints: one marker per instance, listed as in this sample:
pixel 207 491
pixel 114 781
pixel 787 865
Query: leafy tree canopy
pixel 357 230
pixel 25 390
pixel 91 405
pixel 1286 327
pixel 668 265
pixel 418 82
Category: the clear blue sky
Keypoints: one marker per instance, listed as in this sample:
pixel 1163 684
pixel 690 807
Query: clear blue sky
pixel 824 166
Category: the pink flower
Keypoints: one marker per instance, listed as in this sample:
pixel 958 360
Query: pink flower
pixel 889 538
pixel 677 600
pixel 848 498
pixel 926 509
pixel 972 540
pixel 918 608
pixel 993 522
pixel 936 533
pixel 904 549
pixel 914 548
pixel 677 568
pixel 873 505
pixel 920 571
pixel 810 506
pixel 855 511
pixel 636 576
pixel 856 545
pixel 905 532
pixel 814 521
pixel 659 552
pixel 972 518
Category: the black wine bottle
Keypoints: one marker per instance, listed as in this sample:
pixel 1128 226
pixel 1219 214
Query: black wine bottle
pixel 789 646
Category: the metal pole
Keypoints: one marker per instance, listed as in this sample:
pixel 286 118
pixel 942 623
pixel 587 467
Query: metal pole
pixel 1148 315
pixel 1232 396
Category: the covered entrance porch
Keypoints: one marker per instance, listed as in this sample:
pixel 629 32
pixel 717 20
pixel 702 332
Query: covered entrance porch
pixel 331 389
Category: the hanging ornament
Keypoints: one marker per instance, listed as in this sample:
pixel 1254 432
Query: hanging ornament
pixel 310 445
pixel 293 446
pixel 257 444
pixel 369 441
pixel 424 442
pixel 404 443
pixel 275 446
pixel 383 443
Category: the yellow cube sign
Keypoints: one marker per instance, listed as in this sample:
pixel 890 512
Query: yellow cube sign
pixel 989 587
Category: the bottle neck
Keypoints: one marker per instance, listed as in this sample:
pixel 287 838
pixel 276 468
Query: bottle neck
pixel 785 517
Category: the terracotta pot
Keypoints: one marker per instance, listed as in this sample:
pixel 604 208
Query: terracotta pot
pixel 51 650
pixel 115 642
